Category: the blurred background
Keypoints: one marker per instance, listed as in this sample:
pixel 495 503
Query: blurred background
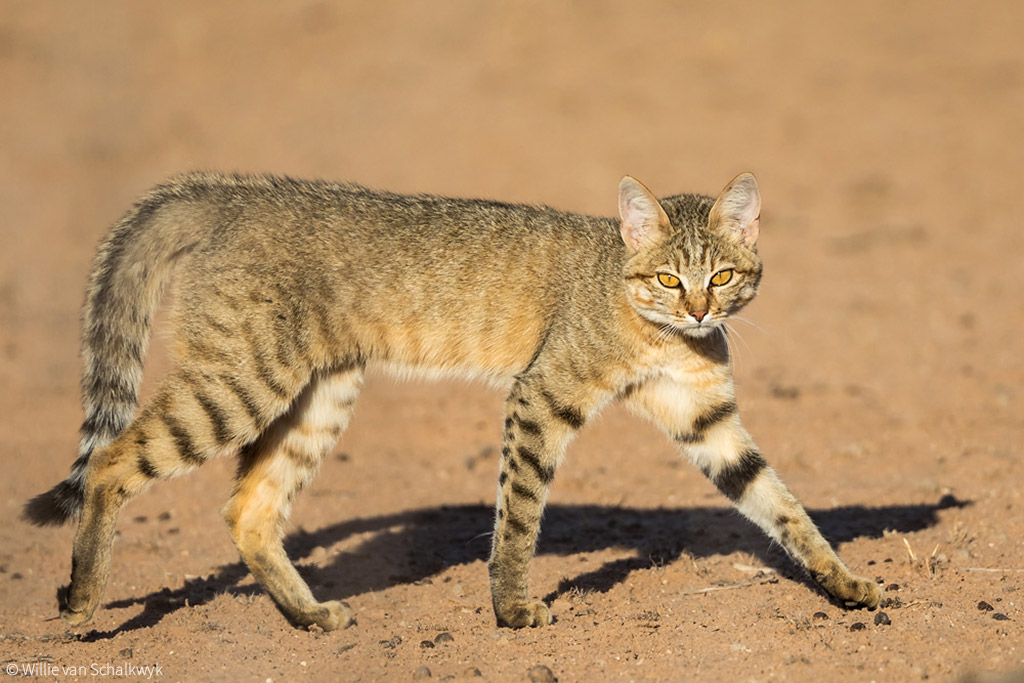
pixel 882 361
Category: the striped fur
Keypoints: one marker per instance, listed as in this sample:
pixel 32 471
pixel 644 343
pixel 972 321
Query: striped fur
pixel 293 287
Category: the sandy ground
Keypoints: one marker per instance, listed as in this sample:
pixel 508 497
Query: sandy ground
pixel 881 371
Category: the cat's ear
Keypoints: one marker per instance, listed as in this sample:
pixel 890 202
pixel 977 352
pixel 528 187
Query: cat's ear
pixel 643 219
pixel 738 209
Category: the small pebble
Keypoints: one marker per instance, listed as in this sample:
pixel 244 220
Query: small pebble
pixel 985 607
pixel 892 587
pixel 999 616
pixel 444 637
pixel 857 626
pixel 391 644
pixel 541 674
pixel 422 672
pixel 882 619
pixel 472 672
pixel 426 644
pixel 819 615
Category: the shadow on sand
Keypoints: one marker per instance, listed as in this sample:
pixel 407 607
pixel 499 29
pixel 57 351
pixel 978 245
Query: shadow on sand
pixel 412 546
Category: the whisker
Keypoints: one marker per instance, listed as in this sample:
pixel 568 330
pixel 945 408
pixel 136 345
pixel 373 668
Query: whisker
pixel 665 332
pixel 730 331
pixel 748 321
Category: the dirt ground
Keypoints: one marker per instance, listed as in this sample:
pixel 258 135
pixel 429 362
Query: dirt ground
pixel 881 370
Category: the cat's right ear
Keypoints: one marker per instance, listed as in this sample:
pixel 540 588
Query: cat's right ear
pixel 738 209
pixel 643 220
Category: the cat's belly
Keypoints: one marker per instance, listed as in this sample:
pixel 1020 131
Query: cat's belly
pixel 455 349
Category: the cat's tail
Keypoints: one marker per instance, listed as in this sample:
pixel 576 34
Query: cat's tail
pixel 131 268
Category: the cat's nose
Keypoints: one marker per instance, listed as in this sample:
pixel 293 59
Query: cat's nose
pixel 699 315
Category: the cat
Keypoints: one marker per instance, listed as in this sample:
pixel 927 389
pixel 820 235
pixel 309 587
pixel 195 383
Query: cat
pixel 293 287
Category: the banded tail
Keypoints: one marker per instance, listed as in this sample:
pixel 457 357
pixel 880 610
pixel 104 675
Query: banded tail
pixel 131 268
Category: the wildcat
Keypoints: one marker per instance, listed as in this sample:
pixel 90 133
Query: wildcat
pixel 292 288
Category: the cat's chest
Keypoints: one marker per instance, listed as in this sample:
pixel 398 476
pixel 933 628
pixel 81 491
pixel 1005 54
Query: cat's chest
pixel 697 368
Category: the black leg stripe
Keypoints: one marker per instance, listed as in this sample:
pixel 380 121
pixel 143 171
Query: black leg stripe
pixel 570 416
pixel 706 421
pixel 246 398
pixel 734 479
pixel 147 468
pixel 218 418
pixel 545 474
pixel 266 375
pixel 182 440
pixel 529 427
pixel 263 370
pixel 523 492
pixel 516 524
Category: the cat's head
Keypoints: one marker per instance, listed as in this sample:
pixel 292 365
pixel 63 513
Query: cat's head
pixel 692 259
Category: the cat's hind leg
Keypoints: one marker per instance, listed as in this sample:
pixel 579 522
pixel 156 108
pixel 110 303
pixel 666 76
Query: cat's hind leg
pixel 193 416
pixel 705 424
pixel 272 471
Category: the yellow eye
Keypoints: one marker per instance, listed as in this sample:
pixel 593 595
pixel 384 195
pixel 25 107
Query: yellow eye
pixel 721 277
pixel 666 280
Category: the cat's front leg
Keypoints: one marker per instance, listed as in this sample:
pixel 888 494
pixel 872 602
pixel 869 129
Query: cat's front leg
pixel 702 419
pixel 538 424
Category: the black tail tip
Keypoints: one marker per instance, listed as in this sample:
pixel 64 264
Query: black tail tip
pixel 56 507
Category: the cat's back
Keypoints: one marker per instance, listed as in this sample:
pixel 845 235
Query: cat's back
pixel 282 207
pixel 427 280
pixel 383 239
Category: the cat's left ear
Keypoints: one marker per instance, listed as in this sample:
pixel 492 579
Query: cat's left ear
pixel 738 209
pixel 643 220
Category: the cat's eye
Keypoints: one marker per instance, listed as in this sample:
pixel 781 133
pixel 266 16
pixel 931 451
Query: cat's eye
pixel 667 280
pixel 721 277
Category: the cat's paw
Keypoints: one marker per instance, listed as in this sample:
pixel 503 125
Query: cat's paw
pixel 854 591
pixel 863 593
pixel 71 616
pixel 330 616
pixel 521 615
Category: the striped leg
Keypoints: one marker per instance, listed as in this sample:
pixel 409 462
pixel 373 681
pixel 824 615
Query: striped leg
pixel 272 471
pixel 537 427
pixel 708 430
pixel 193 416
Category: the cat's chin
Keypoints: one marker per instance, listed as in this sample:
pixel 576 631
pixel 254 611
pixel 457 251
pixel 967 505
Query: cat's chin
pixel 698 331
pixel 695 330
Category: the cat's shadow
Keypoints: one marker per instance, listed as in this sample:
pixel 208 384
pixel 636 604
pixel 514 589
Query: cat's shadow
pixel 414 545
